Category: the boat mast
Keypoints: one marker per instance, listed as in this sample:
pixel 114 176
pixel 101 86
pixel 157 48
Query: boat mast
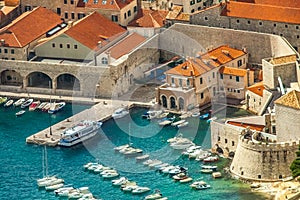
pixel 46 161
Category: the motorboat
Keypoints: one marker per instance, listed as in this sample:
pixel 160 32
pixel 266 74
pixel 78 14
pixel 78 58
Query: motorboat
pixel 19 102
pixel 184 124
pixel 155 195
pixel 211 159
pixel 186 180
pixel 120 181
pixel 200 185
pixel 175 139
pixel 206 171
pixel 63 191
pixel 119 113
pixel 178 122
pixel 179 176
pixel 140 190
pixel 182 144
pixel 9 103
pixel 177 170
pixel 142 157
pixel 87 196
pixel 129 188
pixel 166 170
pixel 21 112
pixel 42 105
pixel 3 100
pixel 100 169
pixel 195 114
pixel 185 115
pixel 87 165
pixel 133 151
pixel 195 153
pixel 93 166
pixel 161 166
pixel 47 178
pixel 121 147
pixel 55 107
pixel 54 187
pixel 163 115
pixel 216 174
pixel 204 116
pixel 82 131
pixel 34 105
pixel 166 121
pixel 150 161
pixel 202 155
pixel 108 171
pixel 152 114
pixel 213 167
pixel 50 182
pixel 27 103
pixel 110 175
pixel 154 163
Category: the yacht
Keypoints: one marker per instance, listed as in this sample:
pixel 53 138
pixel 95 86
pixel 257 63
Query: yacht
pixel 140 190
pixel 84 130
pixel 182 144
pixel 119 113
pixel 120 181
pixel 200 185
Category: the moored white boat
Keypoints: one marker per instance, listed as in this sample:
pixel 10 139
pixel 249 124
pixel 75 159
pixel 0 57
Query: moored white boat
pixel 54 187
pixel 121 147
pixel 186 180
pixel 155 195
pixel 42 105
pixel 63 191
pixel 120 181
pixel 178 122
pixel 55 107
pixel 21 112
pixel 34 105
pixel 119 113
pixel 9 103
pixel 166 121
pixel 50 182
pixel 19 102
pixel 110 175
pixel 82 131
pixel 184 124
pixel 182 144
pixel 200 185
pixel 142 157
pixel 211 159
pixel 140 190
pixel 27 103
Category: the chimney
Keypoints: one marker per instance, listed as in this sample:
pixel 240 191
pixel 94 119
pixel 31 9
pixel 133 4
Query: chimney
pixel 2 42
pixel 70 24
pixel 100 44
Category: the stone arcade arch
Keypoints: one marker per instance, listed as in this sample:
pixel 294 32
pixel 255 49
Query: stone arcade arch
pixel 164 101
pixel 181 103
pixel 173 103
pixel 38 79
pixel 68 82
pixel 11 77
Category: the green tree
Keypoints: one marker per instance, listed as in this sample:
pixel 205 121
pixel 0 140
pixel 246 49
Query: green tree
pixel 295 166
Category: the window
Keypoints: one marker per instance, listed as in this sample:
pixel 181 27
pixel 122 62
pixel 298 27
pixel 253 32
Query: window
pixel 129 13
pixel 201 80
pixel 199 8
pixel 61 46
pixel 238 21
pixel 53 45
pixel 96 1
pixel 281 34
pixel 213 75
pixel 5 51
pixel 80 15
pixel 249 22
pixel 0 50
pixel 58 11
pixel 225 141
pixel 297 27
pixel 103 2
pixel 205 18
pixel 13 59
pixel 114 18
pixel 66 15
pixel 180 82
pixel 75 46
pixel 134 9
pixel 193 10
pixel 27 8
pixel 68 46
pixel 104 61
pixel 238 91
pixel 297 36
pixel 259 176
pixel 232 143
pixel 173 80
pixel 230 77
pixel 260 23
pixel 188 82
pixel 201 95
pixel 237 78
pixel 125 16
pixel 221 76
pixel 73 15
pixel 192 2
pixel 72 1
pixel 219 138
pixel 239 63
pixel 12 51
pixel 65 1
pixel 275 25
pixel 286 26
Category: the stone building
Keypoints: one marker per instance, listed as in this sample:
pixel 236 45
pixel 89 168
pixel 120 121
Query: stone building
pixel 119 11
pixel 266 17
pixel 81 40
pixel 9 10
pixel 20 37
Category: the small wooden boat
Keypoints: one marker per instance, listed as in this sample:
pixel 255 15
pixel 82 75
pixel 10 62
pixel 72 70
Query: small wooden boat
pixel 27 103
pixel 34 105
pixel 9 103
pixel 21 112
pixel 56 107
pixel 186 180
pixel 19 102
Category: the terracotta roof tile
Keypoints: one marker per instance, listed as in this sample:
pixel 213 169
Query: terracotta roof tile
pixel 11 2
pixel 126 45
pixel 246 125
pixel 149 18
pixel 29 27
pixel 262 12
pixel 233 71
pixel 291 99
pixel 221 55
pixel 281 3
pixel 106 4
pixel 257 88
pixel 92 29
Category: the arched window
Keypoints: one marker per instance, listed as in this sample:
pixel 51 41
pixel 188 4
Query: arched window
pixel 104 61
pixel 164 101
pixel 181 103
pixel 173 102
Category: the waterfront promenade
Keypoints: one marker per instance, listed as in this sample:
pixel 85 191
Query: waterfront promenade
pixel 101 110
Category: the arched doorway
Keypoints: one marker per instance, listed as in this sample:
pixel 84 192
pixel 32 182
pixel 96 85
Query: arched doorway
pixel 11 77
pixel 164 101
pixel 181 103
pixel 68 82
pixel 39 79
pixel 173 102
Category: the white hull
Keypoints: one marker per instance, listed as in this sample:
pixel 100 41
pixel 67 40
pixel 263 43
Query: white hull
pixel 79 140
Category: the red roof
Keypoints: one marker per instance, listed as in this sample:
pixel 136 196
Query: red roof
pixel 233 71
pixel 29 27
pixel 104 4
pixel 257 88
pixel 149 18
pixel 281 3
pixel 262 11
pixel 126 45
pixel 246 125
pixel 93 29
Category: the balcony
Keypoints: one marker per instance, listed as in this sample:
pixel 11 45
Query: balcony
pixel 174 88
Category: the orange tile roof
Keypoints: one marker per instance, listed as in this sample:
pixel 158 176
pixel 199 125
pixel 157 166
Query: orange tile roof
pixel 92 29
pixel 29 27
pixel 246 125
pixel 126 45
pixel 149 18
pixel 233 71
pixel 257 88
pixel 281 3
pixel 261 12
pixel 105 4
pixel 222 55
pixel 7 9
pixel 11 2
pixel 291 99
pixel 191 67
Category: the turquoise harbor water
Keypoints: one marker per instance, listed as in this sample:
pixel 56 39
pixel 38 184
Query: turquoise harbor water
pixel 21 163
